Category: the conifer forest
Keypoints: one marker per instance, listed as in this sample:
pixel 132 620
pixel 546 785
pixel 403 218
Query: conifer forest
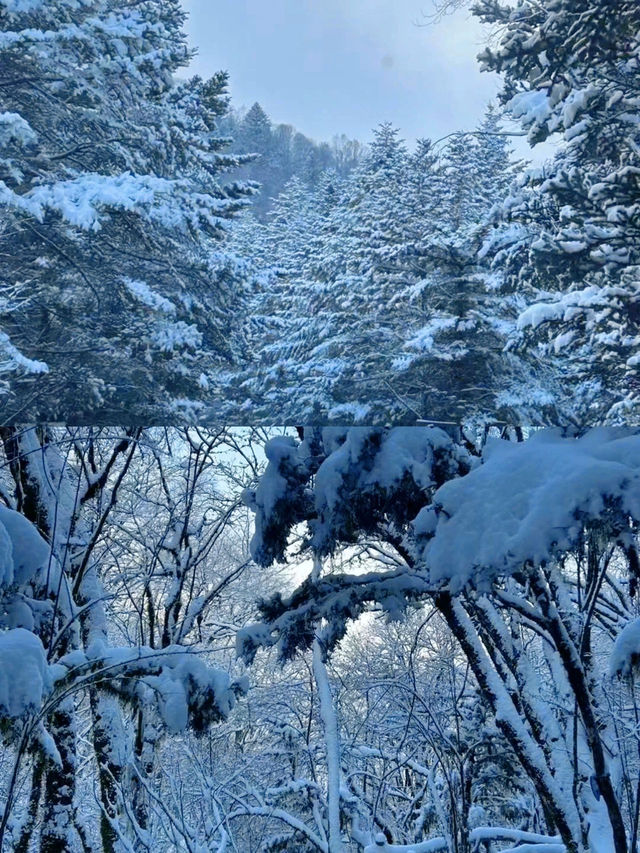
pixel 319 458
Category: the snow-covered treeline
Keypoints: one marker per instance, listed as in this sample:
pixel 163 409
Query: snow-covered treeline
pixel 354 639
pixel 446 280
pixel 382 285
pixel 372 304
pixel 283 153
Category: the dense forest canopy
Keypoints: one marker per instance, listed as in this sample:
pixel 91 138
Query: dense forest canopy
pixel 341 281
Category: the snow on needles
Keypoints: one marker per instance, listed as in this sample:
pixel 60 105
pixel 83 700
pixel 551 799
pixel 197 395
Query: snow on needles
pixel 524 502
pixel 372 468
pixel 12 359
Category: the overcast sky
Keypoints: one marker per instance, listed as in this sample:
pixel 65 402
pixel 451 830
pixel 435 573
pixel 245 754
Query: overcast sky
pixel 343 66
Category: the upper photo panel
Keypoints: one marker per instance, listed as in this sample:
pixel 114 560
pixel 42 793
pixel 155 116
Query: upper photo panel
pixel 320 211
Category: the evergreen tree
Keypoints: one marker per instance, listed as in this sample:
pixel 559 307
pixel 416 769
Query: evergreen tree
pixel 255 130
pixel 285 368
pixel 359 265
pixel 112 212
pixel 451 363
pixel 571 69
pixel 281 153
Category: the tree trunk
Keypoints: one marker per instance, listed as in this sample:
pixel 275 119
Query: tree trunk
pixel 577 678
pixel 498 697
pixel 58 827
pixel 332 741
pixel 23 843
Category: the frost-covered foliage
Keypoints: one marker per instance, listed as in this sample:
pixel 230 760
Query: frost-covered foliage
pixel 451 282
pixel 523 554
pixel 109 176
pixel 91 685
pixel 570 71
pixel 389 296
pixel 370 285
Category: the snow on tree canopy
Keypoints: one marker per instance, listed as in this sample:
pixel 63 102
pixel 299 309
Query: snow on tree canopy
pixel 185 690
pixel 189 691
pixel 379 470
pixel 24 676
pixel 625 654
pixel 23 552
pixel 526 501
pixel 279 491
pixel 363 476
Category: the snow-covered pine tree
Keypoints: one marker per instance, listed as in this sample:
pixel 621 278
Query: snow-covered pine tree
pixel 296 338
pixel 279 314
pixel 255 130
pixel 310 160
pixel 113 212
pixel 571 71
pixel 450 363
pixel 283 153
pixel 359 264
pixel 255 135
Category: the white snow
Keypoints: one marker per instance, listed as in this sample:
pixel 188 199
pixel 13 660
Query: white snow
pixel 282 453
pixel 15 360
pixel 332 743
pixel 6 558
pixel 14 128
pixel 565 306
pixel 576 102
pixel 185 683
pixel 424 339
pixel 143 292
pixel 572 246
pixel 526 500
pixel 625 654
pixel 175 335
pixel 21 5
pixel 531 107
pixel 81 200
pixel 29 551
pixel 402 452
pixel 24 679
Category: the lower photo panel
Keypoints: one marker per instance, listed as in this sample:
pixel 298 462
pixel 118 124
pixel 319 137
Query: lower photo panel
pixel 405 639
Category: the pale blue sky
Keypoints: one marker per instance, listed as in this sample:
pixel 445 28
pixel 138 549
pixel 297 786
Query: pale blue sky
pixel 343 66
